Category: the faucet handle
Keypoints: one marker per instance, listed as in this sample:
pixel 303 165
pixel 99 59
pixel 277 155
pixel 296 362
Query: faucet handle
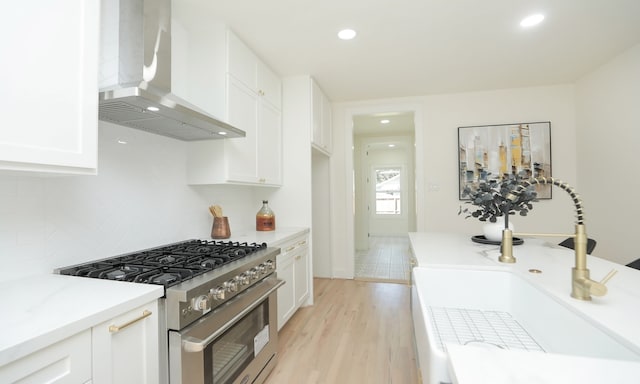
pixel 608 277
pixel 599 288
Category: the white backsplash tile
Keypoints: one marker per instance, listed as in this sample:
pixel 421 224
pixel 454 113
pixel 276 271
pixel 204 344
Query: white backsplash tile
pixel 139 199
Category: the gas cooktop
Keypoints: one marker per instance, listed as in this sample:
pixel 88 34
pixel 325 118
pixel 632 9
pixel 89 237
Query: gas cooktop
pixel 167 265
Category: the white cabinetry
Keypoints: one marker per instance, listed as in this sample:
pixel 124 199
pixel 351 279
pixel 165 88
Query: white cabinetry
pixel 253 104
pixel 198 60
pixel 125 348
pixel 293 267
pixel 286 295
pixel 246 67
pixel 122 350
pixel 301 274
pixel 321 119
pixel 48 99
pixel 67 361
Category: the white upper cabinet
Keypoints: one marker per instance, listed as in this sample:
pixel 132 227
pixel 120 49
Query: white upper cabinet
pixel 199 59
pixel 253 102
pixel 320 119
pixel 49 93
pixel 245 66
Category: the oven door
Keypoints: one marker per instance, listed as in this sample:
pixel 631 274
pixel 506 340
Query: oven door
pixel 235 343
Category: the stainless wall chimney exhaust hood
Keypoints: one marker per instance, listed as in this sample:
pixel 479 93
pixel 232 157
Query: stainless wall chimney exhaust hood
pixel 135 75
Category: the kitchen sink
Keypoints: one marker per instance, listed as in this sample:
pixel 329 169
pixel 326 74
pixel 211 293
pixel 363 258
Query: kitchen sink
pixel 498 309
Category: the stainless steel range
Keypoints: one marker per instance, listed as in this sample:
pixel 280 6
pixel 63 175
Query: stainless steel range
pixel 220 306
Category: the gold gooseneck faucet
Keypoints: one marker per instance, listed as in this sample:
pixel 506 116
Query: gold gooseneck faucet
pixel 582 287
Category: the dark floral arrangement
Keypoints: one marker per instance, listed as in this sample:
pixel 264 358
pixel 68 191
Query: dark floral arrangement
pixel 490 199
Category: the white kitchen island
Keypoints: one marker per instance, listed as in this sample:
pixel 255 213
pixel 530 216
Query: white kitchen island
pixel 614 316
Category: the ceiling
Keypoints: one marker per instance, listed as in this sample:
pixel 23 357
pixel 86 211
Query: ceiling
pixel 422 47
pixel 399 124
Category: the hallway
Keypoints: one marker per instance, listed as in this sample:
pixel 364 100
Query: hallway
pixel 387 260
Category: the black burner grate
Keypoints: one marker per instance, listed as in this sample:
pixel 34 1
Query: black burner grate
pixel 167 265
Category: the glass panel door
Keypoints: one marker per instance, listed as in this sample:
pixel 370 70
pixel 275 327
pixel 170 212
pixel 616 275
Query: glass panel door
pixel 236 348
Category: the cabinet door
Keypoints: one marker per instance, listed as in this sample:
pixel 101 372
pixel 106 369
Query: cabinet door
pixel 67 361
pixel 242 62
pixel 269 86
pixel 286 296
pixel 240 153
pixel 316 114
pixel 320 119
pixel 301 268
pixel 126 348
pixel 326 124
pixel 199 58
pixel 48 99
pixel 269 146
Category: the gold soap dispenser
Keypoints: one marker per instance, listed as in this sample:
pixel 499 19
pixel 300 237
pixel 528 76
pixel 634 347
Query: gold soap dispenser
pixel 265 218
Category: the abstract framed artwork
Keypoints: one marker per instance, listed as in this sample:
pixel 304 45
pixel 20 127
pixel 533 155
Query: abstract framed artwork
pixel 493 152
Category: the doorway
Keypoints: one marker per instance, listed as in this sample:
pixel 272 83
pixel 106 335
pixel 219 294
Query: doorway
pixel 384 195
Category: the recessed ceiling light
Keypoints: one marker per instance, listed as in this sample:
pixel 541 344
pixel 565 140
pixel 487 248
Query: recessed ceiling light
pixel 532 20
pixel 222 133
pixel 153 109
pixel 391 145
pixel 347 34
pixel 384 121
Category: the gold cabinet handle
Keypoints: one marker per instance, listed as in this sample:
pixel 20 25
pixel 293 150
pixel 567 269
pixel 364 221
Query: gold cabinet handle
pixel 118 328
pixel 296 245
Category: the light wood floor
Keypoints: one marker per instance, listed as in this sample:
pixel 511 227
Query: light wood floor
pixel 357 332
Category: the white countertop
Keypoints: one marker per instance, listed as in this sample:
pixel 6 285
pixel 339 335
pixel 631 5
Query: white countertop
pixel 273 238
pixel 617 313
pixel 41 310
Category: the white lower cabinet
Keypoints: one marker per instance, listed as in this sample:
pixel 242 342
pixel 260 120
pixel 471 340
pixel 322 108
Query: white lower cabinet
pixel 301 276
pixel 293 267
pixel 125 348
pixel 67 361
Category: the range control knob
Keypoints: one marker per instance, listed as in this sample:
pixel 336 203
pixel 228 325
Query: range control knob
pixel 201 303
pixel 232 285
pixel 218 293
pixel 270 265
pixel 262 269
pixel 253 273
pixel 243 279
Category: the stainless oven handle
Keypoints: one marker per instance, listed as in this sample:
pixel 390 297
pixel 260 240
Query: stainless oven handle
pixel 192 344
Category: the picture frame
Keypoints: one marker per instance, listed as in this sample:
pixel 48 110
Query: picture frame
pixel 490 152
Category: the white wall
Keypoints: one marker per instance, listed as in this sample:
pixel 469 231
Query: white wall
pixel 138 200
pixel 608 127
pixel 445 113
pixel 437 120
